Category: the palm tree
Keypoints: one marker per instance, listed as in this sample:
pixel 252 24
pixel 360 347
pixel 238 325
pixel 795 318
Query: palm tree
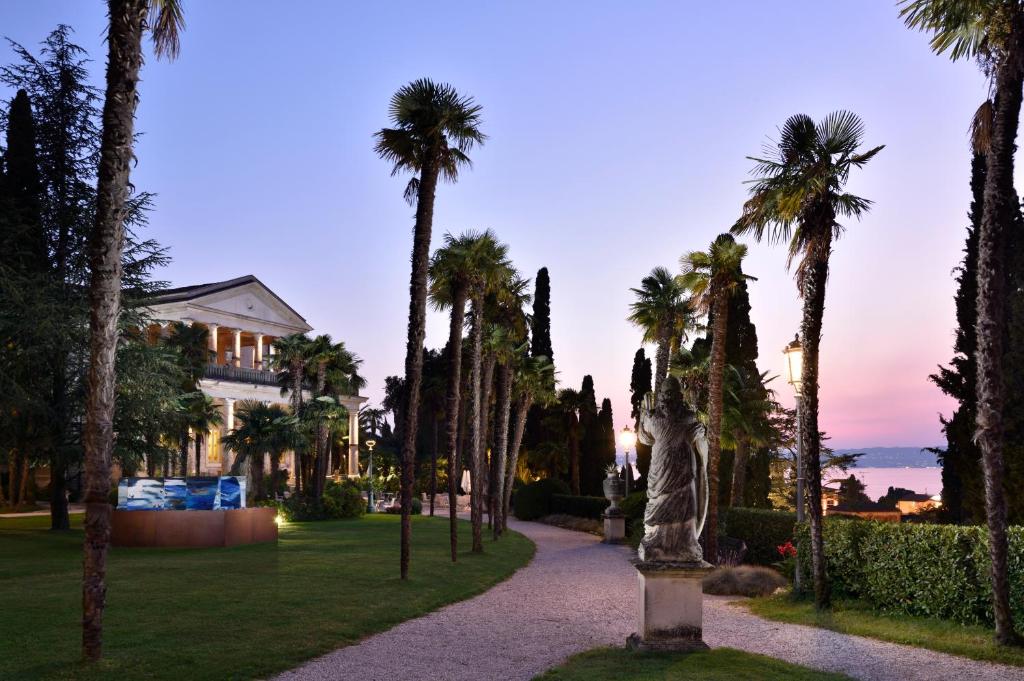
pixel 797 198
pixel 434 129
pixel 749 428
pixel 993 33
pixel 713 277
pixel 662 311
pixel 203 416
pixel 290 361
pixel 494 270
pixel 263 429
pixel 454 270
pixel 128 21
pixel 532 383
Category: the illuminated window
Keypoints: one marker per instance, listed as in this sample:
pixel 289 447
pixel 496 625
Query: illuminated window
pixel 213 447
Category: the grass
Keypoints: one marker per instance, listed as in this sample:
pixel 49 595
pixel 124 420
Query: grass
pixel 720 664
pixel 229 613
pixel 857 618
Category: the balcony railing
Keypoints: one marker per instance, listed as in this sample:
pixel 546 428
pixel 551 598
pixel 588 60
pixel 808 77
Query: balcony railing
pixel 241 375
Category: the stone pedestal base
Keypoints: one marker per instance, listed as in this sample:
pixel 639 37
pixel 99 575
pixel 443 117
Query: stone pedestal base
pixel 614 529
pixel 670 604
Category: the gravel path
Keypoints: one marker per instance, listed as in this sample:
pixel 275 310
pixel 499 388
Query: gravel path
pixel 578 594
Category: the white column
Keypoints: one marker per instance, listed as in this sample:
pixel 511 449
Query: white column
pixel 353 442
pixel 237 356
pixel 258 361
pixel 229 425
pixel 271 352
pixel 212 328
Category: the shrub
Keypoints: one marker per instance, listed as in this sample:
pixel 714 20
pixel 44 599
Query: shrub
pixel 929 570
pixel 340 500
pixel 396 508
pixel 762 530
pixel 633 507
pixel 581 507
pixel 571 522
pixel 533 501
pixel 746 580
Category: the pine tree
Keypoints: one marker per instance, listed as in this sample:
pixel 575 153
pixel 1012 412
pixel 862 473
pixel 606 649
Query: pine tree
pixel 640 385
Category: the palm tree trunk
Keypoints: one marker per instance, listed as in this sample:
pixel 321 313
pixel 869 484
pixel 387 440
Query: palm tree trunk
pixel 502 412
pixel 476 424
pixel 739 470
pixel 106 244
pixel 453 401
pixel 23 480
pixel 433 466
pixel 297 454
pixel 486 390
pixel 810 332
pixel 1000 203
pixel 661 358
pixel 574 454
pixel 714 432
pixel 199 446
pixel 522 411
pixel 414 347
pixel 275 464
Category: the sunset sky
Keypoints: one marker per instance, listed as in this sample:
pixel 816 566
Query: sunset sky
pixel 618 140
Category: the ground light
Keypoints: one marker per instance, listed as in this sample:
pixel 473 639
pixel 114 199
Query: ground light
pixel 370 444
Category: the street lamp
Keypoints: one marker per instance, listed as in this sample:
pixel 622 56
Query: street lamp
pixel 370 444
pixel 794 358
pixel 627 438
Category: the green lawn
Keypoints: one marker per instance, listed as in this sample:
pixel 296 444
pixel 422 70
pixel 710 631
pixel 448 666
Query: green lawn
pixel 720 664
pixel 230 613
pixel 853 617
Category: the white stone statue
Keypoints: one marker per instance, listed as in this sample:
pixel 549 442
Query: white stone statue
pixel 677 484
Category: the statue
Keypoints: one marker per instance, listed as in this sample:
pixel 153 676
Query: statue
pixel 677 484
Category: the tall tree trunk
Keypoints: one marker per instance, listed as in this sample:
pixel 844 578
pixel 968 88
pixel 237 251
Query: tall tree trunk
pixel 574 454
pixel 183 441
pixel 999 205
pixel 486 390
pixel 476 423
pixel 661 358
pixel 199 453
pixel 522 412
pixel 414 347
pixel 433 466
pixel 810 332
pixel 739 470
pixel 498 458
pixel 714 432
pixel 23 480
pixel 453 402
pixel 59 519
pixel 106 244
pixel 298 456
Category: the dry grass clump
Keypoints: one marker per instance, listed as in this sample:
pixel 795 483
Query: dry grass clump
pixel 745 580
pixel 571 522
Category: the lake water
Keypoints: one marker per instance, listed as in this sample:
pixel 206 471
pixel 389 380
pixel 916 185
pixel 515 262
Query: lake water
pixel 878 480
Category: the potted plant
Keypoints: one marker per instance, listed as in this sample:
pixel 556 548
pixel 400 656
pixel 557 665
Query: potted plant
pixel 614 490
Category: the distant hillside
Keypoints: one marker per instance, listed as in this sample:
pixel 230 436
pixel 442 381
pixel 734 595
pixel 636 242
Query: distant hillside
pixel 892 457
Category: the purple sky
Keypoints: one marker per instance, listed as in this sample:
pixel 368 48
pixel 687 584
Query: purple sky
pixel 618 141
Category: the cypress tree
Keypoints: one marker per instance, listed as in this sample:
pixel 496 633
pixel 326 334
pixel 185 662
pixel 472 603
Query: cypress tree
pixel 540 342
pixel 24 242
pixel 639 385
pixel 591 440
pixel 962 490
pixel 607 424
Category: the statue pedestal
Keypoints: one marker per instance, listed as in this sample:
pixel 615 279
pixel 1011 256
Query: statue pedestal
pixel 614 529
pixel 670 604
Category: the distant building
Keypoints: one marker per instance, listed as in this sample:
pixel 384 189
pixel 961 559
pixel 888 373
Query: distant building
pixel 912 503
pixel 866 511
pixel 829 498
pixel 244 318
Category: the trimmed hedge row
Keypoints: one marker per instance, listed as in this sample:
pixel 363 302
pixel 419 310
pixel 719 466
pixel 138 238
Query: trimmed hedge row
pixel 581 507
pixel 915 569
pixel 762 530
pixel 533 501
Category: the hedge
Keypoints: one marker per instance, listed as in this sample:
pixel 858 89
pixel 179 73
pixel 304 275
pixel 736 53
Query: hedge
pixel 581 507
pixel 533 501
pixel 915 569
pixel 762 530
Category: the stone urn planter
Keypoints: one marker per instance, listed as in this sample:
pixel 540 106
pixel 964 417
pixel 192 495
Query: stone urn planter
pixel 614 491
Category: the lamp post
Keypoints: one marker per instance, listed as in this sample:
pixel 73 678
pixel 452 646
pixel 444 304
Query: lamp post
pixel 627 438
pixel 370 444
pixel 794 357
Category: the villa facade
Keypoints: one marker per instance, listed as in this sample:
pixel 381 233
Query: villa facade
pixel 244 318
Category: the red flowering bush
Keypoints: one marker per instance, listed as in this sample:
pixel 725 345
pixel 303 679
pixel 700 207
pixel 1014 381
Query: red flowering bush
pixel 786 550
